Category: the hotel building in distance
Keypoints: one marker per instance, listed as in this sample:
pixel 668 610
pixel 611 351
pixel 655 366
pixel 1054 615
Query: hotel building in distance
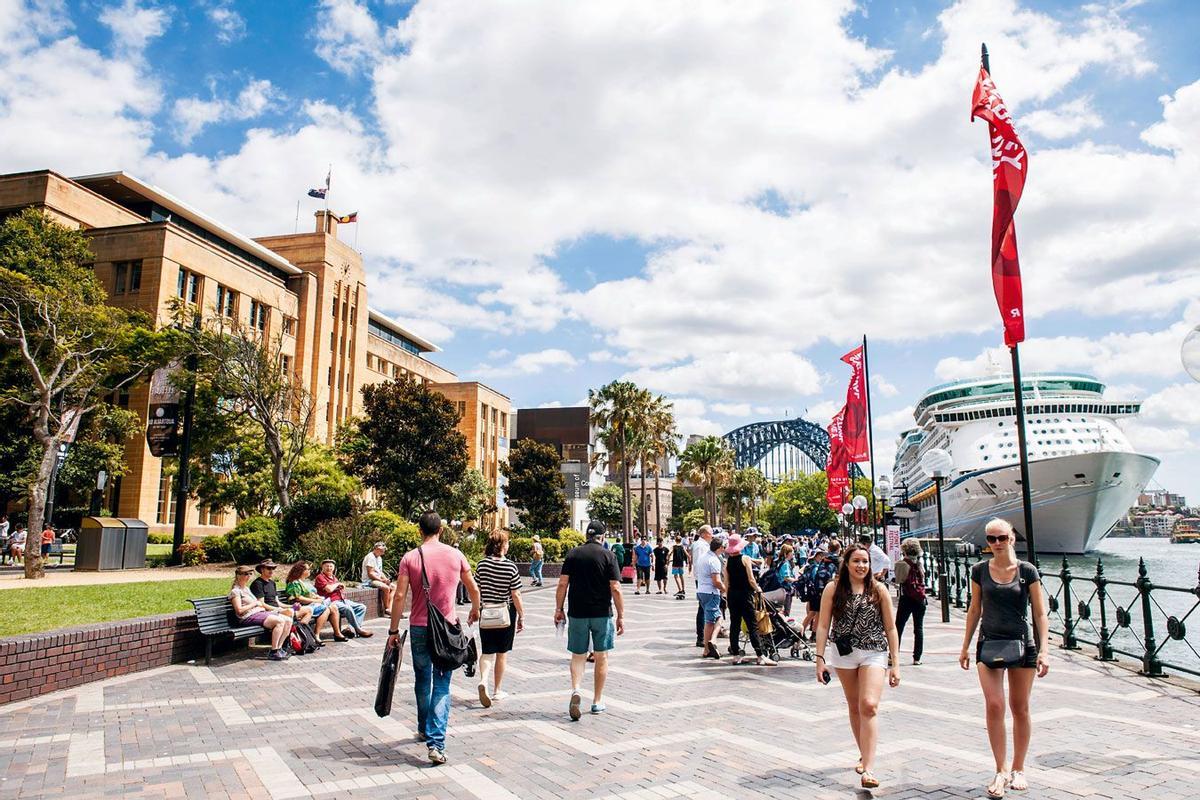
pixel 309 289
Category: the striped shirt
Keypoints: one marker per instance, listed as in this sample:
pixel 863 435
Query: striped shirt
pixel 497 578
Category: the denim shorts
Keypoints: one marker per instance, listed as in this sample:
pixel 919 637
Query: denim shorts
pixel 600 630
pixel 676 570
pixel 711 604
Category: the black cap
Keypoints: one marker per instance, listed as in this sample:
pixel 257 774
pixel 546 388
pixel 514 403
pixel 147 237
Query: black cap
pixel 596 528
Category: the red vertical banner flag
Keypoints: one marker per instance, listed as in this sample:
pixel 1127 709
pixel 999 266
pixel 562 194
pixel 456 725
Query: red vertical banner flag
pixel 854 423
pixel 837 472
pixel 1010 163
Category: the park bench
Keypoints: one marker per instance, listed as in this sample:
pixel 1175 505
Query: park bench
pixel 213 615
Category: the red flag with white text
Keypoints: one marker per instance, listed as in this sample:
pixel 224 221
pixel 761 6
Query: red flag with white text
pixel 837 474
pixel 1010 163
pixel 855 433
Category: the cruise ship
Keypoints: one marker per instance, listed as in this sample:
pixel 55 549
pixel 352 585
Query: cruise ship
pixel 1084 475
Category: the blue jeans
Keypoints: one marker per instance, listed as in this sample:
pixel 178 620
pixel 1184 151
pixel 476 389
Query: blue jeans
pixel 352 612
pixel 432 687
pixel 535 571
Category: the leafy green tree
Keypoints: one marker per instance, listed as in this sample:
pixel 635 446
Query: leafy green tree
pixel 798 504
pixel 407 446
pixel 683 500
pixel 746 488
pixel 708 463
pixel 535 486
pixel 693 519
pixel 468 499
pixel 604 504
pixel 70 349
pixel 615 410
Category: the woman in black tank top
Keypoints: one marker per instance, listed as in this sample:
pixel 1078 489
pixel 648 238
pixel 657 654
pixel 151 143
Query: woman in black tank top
pixel 742 589
pixel 1002 592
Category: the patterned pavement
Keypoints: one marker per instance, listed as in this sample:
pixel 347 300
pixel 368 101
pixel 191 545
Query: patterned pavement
pixel 677 726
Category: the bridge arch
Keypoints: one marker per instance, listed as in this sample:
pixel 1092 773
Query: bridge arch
pixel 781 447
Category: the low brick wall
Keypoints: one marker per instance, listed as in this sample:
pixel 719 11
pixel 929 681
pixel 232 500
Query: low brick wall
pixel 549 570
pixel 37 663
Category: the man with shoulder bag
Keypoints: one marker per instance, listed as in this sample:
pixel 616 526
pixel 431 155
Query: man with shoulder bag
pixel 439 643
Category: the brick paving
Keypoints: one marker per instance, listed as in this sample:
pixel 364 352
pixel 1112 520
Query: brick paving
pixel 677 726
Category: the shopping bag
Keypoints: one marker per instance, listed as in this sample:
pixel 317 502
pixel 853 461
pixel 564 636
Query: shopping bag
pixel 392 657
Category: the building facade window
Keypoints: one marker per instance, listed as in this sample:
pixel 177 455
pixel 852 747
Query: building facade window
pixel 259 313
pixel 226 302
pixel 120 270
pixel 166 509
pixel 289 326
pixel 285 364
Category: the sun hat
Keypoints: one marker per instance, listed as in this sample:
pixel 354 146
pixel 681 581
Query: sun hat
pixel 268 564
pixel 537 538
pixel 379 546
pixel 735 545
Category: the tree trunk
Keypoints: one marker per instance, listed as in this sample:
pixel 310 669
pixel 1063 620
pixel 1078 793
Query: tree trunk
pixel 34 565
pixel 737 513
pixel 642 501
pixel 657 500
pixel 625 512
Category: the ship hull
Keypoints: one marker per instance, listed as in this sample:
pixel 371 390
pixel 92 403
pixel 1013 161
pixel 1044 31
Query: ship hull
pixel 1071 514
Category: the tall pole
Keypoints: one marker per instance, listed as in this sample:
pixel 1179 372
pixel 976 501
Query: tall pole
pixel 870 432
pixel 1019 399
pixel 184 479
pixel 943 594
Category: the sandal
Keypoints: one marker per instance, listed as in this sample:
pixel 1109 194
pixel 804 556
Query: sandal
pixel 999 783
pixel 868 781
pixel 859 767
pixel 1017 782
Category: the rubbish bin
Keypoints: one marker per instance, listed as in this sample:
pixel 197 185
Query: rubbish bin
pixel 134 556
pixel 101 544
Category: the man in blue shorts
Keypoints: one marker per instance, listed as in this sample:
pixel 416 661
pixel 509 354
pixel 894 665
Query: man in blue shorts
pixel 589 587
pixel 643 555
pixel 709 588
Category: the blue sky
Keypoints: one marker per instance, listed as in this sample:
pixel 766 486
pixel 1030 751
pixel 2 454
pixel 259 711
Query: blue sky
pixel 717 201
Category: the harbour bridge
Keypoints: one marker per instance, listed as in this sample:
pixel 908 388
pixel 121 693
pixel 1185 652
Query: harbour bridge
pixel 781 448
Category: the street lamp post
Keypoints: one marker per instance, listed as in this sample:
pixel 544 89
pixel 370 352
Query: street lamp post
pixel 937 464
pixel 848 516
pixel 882 490
pixel 860 505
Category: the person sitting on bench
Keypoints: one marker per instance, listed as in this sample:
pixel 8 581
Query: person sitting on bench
pixel 330 587
pixel 264 589
pixel 252 611
pixel 301 590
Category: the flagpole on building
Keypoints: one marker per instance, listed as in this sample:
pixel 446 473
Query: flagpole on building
pixel 297 229
pixel 355 245
pixel 328 182
pixel 1019 399
pixel 870 429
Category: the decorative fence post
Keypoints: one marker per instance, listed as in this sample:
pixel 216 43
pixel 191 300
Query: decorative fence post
pixel 958 582
pixel 1105 644
pixel 1150 663
pixel 1068 639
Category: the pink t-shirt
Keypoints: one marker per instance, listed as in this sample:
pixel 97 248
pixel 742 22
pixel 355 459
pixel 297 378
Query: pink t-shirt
pixel 444 565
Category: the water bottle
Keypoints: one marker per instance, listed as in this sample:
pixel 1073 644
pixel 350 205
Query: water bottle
pixel 560 628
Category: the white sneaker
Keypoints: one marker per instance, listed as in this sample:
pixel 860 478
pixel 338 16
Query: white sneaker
pixel 484 698
pixel 437 757
pixel 763 661
pixel 500 695
pixel 573 709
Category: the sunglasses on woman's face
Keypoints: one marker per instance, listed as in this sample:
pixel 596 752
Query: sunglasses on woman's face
pixel 996 539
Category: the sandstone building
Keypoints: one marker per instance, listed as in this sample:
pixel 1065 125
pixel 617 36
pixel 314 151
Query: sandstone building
pixel 310 289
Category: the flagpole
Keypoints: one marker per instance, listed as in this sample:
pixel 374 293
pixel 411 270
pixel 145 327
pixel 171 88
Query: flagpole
pixel 297 228
pixel 328 183
pixel 870 429
pixel 355 245
pixel 1019 399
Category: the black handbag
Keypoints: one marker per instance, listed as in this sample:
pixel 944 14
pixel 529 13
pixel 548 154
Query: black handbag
pixel 392 656
pixel 1002 653
pixel 449 646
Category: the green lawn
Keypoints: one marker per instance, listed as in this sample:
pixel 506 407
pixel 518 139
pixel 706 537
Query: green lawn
pixel 37 609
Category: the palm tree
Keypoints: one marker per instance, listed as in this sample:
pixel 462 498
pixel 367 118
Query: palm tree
pixel 615 411
pixel 707 462
pixel 664 443
pixel 746 487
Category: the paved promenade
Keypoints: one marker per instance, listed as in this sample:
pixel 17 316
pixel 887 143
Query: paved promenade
pixel 677 726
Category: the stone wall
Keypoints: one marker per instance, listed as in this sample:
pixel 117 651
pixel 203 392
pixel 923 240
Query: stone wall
pixel 38 663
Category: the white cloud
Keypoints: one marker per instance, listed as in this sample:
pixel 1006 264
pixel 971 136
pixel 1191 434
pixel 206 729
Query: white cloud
pixel 1148 353
pixel 133 25
pixel 230 25
pixel 1180 127
pixel 1069 119
pixel 193 114
pixel 348 36
pixel 1167 421
pixel 883 386
pixel 531 363
pixel 732 409
pixel 733 376
pixel 601 357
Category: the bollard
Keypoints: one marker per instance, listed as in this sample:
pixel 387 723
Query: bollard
pixel 1105 645
pixel 1068 639
pixel 1150 664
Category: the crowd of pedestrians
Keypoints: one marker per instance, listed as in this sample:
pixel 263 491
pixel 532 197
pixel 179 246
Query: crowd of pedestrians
pixel 857 604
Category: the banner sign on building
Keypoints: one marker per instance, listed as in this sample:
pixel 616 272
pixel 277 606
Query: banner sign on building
pixel 162 420
pixel 892 541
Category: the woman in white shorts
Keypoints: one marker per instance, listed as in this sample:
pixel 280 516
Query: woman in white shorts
pixel 856 615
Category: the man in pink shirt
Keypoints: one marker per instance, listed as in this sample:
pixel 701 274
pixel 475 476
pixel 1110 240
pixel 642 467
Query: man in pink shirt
pixel 445 567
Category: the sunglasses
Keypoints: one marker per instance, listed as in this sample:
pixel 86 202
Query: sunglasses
pixel 996 539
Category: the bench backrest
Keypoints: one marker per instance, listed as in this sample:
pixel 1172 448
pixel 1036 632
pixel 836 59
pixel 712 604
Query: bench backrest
pixel 213 613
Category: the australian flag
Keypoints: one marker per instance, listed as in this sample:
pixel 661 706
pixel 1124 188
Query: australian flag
pixel 320 193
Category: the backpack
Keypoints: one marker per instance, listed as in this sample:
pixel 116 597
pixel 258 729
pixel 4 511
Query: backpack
pixel 302 639
pixel 911 586
pixel 449 646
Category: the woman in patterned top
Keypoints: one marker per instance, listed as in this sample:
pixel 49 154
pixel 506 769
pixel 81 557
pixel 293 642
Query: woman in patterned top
pixel 499 584
pixel 858 608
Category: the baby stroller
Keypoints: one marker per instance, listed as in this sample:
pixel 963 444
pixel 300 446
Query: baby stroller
pixel 783 637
